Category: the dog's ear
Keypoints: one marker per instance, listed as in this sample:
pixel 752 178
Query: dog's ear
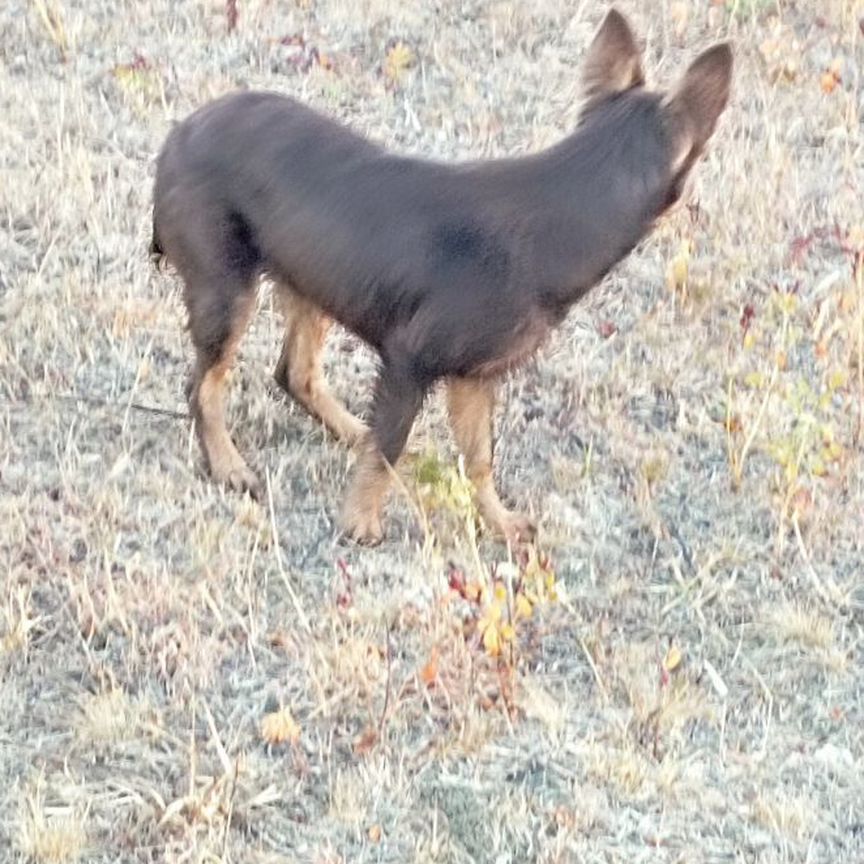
pixel 614 61
pixel 699 100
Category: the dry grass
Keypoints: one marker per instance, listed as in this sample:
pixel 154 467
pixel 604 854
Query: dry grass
pixel 187 676
pixel 49 833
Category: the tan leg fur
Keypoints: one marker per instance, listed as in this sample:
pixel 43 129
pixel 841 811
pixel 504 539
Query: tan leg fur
pixel 208 396
pixel 364 501
pixel 299 371
pixel 470 403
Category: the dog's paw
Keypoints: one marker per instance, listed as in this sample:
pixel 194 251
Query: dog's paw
pixel 246 482
pixel 239 478
pixel 351 431
pixel 362 525
pixel 369 534
pixel 515 527
pixel 364 528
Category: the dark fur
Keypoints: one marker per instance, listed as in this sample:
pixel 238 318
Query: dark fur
pixel 446 270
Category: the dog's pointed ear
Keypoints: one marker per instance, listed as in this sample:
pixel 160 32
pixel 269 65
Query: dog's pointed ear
pixel 614 61
pixel 699 100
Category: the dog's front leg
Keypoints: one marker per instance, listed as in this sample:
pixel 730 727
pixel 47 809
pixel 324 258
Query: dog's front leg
pixel 398 397
pixel 470 402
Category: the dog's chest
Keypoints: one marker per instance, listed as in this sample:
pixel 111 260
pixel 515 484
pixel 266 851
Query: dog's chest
pixel 525 339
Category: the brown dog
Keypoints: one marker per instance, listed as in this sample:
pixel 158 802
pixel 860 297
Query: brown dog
pixel 448 271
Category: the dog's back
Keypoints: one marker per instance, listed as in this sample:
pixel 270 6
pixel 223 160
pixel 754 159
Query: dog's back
pixel 381 241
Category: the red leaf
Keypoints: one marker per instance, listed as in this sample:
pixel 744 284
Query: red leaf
pixel 293 39
pixel 456 579
pixel 365 742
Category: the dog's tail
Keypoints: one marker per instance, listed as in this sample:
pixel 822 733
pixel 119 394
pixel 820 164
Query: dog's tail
pixel 157 253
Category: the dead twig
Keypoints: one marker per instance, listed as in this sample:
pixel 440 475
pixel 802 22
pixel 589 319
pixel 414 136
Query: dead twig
pixel 232 14
pixel 98 402
pixel 387 690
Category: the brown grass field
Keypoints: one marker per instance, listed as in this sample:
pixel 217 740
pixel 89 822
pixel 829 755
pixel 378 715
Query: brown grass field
pixel 187 676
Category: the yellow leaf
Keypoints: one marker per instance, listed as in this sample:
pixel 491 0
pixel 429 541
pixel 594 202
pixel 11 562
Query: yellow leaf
pixel 831 77
pixel 492 640
pixel 523 606
pixel 828 81
pixel 788 303
pixel 673 658
pixel 833 452
pixel 837 379
pixel 754 380
pixel 817 467
pixel 399 58
pixel 279 726
pixel 679 268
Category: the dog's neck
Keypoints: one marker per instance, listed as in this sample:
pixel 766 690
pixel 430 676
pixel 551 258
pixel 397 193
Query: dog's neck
pixel 597 195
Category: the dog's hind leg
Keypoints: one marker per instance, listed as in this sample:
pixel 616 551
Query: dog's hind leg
pixel 470 403
pixel 299 371
pixel 398 398
pixel 220 308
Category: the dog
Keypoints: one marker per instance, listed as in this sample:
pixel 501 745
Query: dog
pixel 455 272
